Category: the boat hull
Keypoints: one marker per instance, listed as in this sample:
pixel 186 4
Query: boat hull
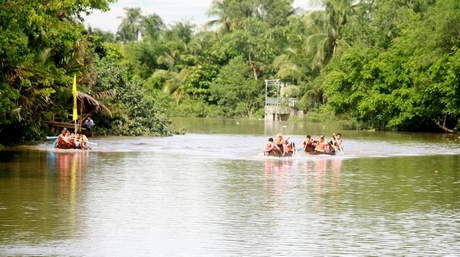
pixel 277 154
pixel 315 152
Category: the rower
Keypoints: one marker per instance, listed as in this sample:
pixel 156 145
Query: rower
pixel 338 142
pixel 308 144
pixel 289 148
pixel 280 141
pixel 322 146
pixel 270 147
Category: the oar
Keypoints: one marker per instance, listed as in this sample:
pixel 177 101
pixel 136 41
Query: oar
pixel 51 137
pixel 284 143
pixel 335 147
pixel 297 152
pixel 54 143
pixel 91 143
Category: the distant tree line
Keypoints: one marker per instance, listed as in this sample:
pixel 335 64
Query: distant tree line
pixel 385 65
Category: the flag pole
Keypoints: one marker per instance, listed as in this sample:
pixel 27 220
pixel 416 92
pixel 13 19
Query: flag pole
pixel 74 92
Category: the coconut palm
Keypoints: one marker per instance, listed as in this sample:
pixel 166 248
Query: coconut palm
pixel 201 42
pixel 276 12
pixel 324 28
pixel 129 29
pixel 152 25
pixel 173 75
pixel 222 23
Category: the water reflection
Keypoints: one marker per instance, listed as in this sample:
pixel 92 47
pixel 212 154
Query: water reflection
pixel 39 196
pixel 70 168
pixel 321 177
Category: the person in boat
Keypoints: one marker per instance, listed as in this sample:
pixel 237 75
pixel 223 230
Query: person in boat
pixel 308 144
pixel 289 148
pixel 315 142
pixel 85 140
pixel 338 142
pixel 80 143
pixel 77 141
pixel 322 145
pixel 333 143
pixel 271 147
pixel 71 139
pixel 63 140
pixel 280 141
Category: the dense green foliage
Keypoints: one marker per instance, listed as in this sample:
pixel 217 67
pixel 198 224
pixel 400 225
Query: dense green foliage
pixel 408 83
pixel 133 112
pixel 388 65
pixel 43 44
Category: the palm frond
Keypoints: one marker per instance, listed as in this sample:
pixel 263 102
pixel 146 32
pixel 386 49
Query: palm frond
pixel 93 103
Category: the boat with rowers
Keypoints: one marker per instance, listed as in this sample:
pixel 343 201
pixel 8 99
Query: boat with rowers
pixel 321 146
pixel 67 140
pixel 279 148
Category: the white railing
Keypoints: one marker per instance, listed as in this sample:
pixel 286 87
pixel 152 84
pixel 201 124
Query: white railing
pixel 275 101
pixel 271 101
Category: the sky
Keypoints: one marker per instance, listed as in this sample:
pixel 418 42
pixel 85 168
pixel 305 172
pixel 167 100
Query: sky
pixel 169 10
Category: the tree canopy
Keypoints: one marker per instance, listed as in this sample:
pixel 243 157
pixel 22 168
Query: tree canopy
pixel 387 65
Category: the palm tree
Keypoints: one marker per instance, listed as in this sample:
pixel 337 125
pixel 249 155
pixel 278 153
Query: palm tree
pixel 223 23
pixel 289 65
pixel 324 28
pixel 276 12
pixel 152 25
pixel 129 29
pixel 201 42
pixel 173 76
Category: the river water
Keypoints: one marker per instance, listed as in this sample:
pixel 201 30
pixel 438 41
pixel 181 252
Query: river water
pixel 211 192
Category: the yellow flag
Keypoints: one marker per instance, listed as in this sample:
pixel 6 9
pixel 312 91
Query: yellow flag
pixel 74 92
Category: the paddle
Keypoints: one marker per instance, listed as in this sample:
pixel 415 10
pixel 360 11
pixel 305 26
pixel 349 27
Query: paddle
pixel 284 145
pixel 296 151
pixel 54 143
pixel 335 148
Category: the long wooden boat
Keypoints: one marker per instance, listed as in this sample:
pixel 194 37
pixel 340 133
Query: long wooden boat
pixel 311 150
pixel 277 154
pixel 64 145
pixel 315 152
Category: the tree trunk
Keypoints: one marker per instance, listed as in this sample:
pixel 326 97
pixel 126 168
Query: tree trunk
pixel 254 71
pixel 443 127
